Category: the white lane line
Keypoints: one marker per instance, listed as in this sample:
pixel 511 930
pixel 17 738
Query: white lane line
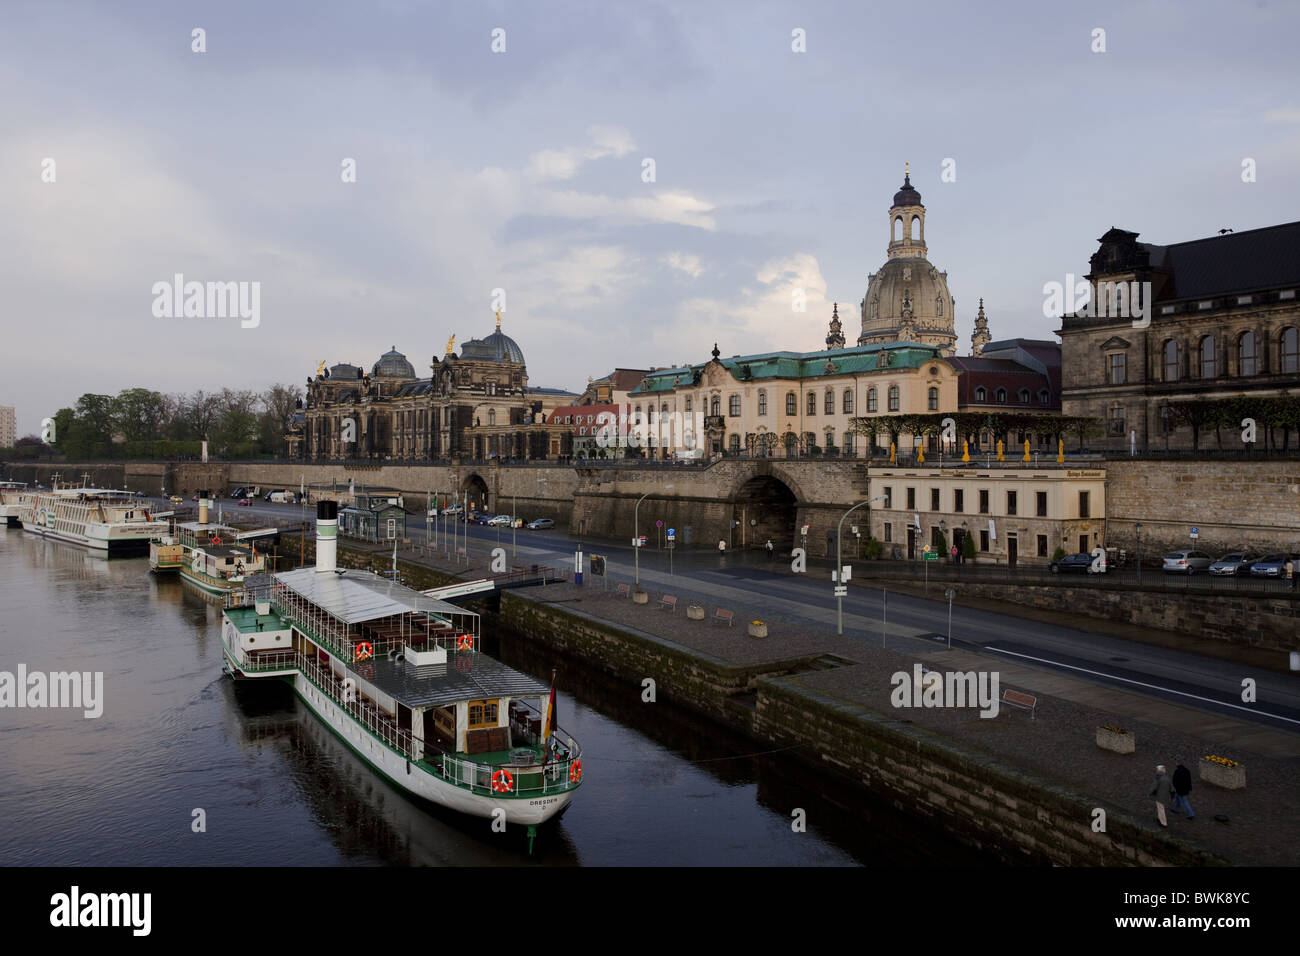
pixel 1167 690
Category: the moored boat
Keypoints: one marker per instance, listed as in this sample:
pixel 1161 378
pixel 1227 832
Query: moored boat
pixel 12 495
pixel 113 522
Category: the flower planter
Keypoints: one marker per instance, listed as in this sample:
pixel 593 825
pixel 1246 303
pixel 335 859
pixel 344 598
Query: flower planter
pixel 1229 778
pixel 1116 742
pixel 640 597
pixel 695 612
pixel 757 629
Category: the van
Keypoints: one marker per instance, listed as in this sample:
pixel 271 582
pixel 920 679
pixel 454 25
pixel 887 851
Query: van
pixel 282 497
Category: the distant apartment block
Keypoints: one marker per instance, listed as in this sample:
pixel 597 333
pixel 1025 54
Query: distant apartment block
pixel 8 426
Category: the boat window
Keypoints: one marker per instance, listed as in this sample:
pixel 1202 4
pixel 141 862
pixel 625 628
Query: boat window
pixel 482 713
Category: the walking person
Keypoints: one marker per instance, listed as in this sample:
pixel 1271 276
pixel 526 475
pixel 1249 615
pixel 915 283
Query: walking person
pixel 1163 793
pixel 1182 786
pixel 830 542
pixel 771 551
pixel 1289 570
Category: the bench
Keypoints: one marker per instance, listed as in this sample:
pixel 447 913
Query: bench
pixel 669 601
pixel 722 614
pixel 623 590
pixel 1023 701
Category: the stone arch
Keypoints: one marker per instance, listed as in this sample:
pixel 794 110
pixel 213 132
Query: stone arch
pixel 772 506
pixel 476 488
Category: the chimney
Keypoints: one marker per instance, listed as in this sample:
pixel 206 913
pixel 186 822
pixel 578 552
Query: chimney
pixel 204 505
pixel 327 530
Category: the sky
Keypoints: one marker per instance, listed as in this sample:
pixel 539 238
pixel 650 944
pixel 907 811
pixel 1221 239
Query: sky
pixel 517 161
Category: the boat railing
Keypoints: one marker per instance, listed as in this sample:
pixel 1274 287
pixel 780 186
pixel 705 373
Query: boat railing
pixel 370 716
pixel 559 773
pixel 268 660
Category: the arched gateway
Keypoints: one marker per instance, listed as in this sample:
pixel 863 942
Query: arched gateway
pixel 766 508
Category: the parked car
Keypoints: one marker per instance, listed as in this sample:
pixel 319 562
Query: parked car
pixel 1272 565
pixel 503 521
pixel 1236 563
pixel 142 494
pixel 540 523
pixel 453 510
pixel 238 493
pixel 482 517
pixel 1082 562
pixel 176 500
pixel 1186 562
pixel 246 502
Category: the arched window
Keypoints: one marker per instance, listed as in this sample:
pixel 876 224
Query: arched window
pixel 1024 396
pixel 733 444
pixel 871 400
pixel 848 401
pixel 791 404
pixel 812 403
pixel 898 228
pixel 1209 363
pixel 828 403
pixel 715 406
pixel 981 395
pixel 492 416
pixel 650 415
pixel 933 401
pixel 915 230
pixel 1170 354
pixel 893 398
pixel 733 406
pixel 1289 349
pixel 1043 396
pixel 1247 357
pixel 762 402
pixel 1002 396
pixel 663 408
pixel 938 305
pixel 581 431
pixel 688 403
pixel 637 416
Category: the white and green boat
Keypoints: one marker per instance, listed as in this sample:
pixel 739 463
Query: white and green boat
pixel 213 557
pixel 398 675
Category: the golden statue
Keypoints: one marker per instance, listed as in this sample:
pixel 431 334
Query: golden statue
pixel 1060 449
pixel 920 454
pixel 498 320
pixel 1026 458
pixel 1000 458
pixel 320 368
pixel 891 453
pixel 450 342
pixel 965 450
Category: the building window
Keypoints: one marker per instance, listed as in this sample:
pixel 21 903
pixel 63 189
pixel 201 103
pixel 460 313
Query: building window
pixel 810 440
pixel 848 401
pixel 958 500
pixel 1024 396
pixel 889 497
pixel 1011 502
pixel 1044 397
pixel 848 443
pixel 733 406
pixel 1170 353
pixel 828 402
pixel 582 430
pixel 911 499
pixel 1289 349
pixel 1042 545
pixel 791 404
pixel 482 713
pixel 1209 365
pixel 984 504
pixel 1002 396
pixel 1117 420
pixel 984 540
pixel 1084 509
pixel 893 398
pixel 1247 361
pixel 889 531
pixel 812 403
pixel 733 443
pixel 934 499
pixel 1040 503
pixel 492 416
pixel 762 402
pixel 871 397
pixel 1117 370
pixel 715 406
pixel 637 418
pixel 933 399
pixel 981 395
pixel 688 403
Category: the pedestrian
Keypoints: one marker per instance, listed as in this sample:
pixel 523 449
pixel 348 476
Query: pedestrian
pixel 722 547
pixel 1182 786
pixel 1289 569
pixel 1163 793
pixel 771 551
pixel 830 542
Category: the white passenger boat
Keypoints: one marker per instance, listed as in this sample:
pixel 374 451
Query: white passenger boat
pixel 399 677
pixel 215 558
pixel 114 522
pixel 12 495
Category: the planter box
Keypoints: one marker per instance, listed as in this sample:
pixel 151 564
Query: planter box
pixel 1116 743
pixel 695 612
pixel 757 630
pixel 1229 778
pixel 640 597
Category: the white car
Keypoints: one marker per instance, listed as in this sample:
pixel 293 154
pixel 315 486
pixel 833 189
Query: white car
pixel 503 521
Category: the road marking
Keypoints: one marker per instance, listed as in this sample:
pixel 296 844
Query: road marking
pixel 1167 690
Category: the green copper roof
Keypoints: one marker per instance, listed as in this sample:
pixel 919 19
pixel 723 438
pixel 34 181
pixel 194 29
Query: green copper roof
pixel 793 365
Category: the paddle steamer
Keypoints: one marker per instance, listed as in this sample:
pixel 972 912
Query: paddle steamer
pixel 398 675
pixel 114 522
pixel 213 557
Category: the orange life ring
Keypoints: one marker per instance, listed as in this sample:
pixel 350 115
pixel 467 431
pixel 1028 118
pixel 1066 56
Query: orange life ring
pixel 575 771
pixel 215 539
pixel 465 643
pixel 364 650
pixel 502 782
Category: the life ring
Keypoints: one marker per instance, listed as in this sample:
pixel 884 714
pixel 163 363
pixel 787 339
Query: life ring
pixel 215 539
pixel 364 650
pixel 575 772
pixel 502 781
pixel 465 643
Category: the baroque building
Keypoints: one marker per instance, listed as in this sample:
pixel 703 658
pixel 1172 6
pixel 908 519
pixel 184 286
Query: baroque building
pixel 1222 322
pixel 477 404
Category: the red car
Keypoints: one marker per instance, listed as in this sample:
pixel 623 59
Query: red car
pixel 245 503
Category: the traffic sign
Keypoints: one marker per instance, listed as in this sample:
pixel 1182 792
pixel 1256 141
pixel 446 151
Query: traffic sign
pixel 659 524
pixel 841 590
pixel 804 530
pixel 672 533
pixel 1196 532
pixel 926 549
pixel 931 555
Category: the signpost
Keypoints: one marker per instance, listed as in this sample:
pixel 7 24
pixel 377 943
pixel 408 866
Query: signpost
pixel 949 593
pixel 672 538
pixel 1196 533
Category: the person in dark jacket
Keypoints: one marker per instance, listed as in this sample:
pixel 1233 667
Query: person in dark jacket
pixel 1163 793
pixel 1182 786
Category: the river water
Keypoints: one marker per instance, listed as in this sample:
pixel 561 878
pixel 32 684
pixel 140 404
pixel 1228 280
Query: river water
pixel 662 787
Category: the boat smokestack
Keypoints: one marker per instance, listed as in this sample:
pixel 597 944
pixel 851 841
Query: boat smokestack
pixel 204 505
pixel 327 531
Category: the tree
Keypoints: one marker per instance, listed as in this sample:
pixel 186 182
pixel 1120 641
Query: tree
pixel 139 414
pixel 968 547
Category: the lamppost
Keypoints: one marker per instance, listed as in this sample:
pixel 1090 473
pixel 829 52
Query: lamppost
pixel 636 535
pixel 840 588
pixel 943 531
pixel 949 593
pixel 961 555
pixel 1139 551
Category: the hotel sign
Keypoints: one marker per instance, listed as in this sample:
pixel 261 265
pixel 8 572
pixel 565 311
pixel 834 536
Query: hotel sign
pixel 1085 474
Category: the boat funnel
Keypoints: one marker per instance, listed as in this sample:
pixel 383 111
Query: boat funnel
pixel 204 504
pixel 327 530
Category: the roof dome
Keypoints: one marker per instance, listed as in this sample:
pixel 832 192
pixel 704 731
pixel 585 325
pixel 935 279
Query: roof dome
pixel 906 299
pixel 907 195
pixel 393 364
pixel 497 347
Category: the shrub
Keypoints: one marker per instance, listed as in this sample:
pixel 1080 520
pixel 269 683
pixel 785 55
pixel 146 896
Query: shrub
pixel 1058 554
pixel 873 549
pixel 968 547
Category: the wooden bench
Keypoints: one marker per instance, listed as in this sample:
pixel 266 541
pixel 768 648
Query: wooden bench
pixel 722 614
pixel 668 601
pixel 1023 701
pixel 623 590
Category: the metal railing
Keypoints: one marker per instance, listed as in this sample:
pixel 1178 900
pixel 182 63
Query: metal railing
pixel 366 713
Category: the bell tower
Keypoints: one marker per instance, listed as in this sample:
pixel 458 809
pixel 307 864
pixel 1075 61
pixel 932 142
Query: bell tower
pixel 907 221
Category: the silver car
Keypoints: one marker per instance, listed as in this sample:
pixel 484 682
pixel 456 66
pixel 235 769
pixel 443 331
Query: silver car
pixel 1237 563
pixel 1186 562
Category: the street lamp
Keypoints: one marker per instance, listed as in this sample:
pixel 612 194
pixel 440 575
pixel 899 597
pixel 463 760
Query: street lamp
pixel 636 535
pixel 949 593
pixel 1139 551
pixel 840 588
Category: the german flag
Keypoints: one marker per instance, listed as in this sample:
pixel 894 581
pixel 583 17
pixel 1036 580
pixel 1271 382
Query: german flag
pixel 548 725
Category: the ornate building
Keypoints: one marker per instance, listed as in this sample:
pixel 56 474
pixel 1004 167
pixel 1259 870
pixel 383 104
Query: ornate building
pixel 1224 322
pixel 908 299
pixel 477 404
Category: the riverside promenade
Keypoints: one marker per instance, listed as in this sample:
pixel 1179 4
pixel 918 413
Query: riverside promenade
pixel 1054 750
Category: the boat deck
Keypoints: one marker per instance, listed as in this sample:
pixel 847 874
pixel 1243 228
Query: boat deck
pixel 246 619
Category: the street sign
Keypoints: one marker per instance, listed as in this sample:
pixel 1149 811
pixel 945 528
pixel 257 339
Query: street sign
pixel 949 593
pixel 926 549
pixel 672 533
pixel 1196 532
pixel 932 555
pixel 841 590
pixel 659 524
pixel 804 530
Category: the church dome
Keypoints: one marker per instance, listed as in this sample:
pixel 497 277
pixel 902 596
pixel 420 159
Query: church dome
pixel 393 364
pixel 907 195
pixel 497 347
pixel 906 299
